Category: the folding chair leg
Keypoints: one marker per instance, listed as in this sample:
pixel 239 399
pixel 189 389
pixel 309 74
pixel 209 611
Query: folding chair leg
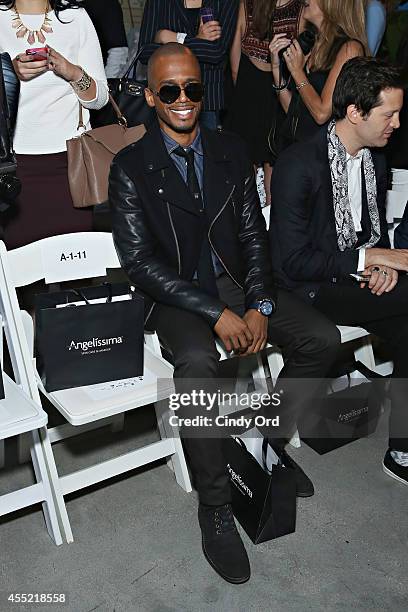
pixel 365 354
pixel 295 440
pixel 242 380
pixel 2 454
pixel 258 374
pixel 23 448
pixel 178 461
pixel 44 475
pixel 47 465
pixel 275 363
pixel 118 423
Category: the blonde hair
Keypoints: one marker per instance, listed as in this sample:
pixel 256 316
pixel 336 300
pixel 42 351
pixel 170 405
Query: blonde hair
pixel 342 20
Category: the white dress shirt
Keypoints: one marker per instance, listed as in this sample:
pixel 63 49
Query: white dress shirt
pixel 355 198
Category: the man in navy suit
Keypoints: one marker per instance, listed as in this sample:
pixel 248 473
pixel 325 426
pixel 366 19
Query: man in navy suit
pixel 328 229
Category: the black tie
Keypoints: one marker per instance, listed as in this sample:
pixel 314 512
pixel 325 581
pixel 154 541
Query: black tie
pixel 205 267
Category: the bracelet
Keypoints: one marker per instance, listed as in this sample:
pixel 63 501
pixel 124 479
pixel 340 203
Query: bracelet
pixel 82 84
pixel 302 84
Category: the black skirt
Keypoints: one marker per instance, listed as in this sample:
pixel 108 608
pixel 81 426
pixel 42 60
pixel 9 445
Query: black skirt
pixel 254 110
pixel 44 207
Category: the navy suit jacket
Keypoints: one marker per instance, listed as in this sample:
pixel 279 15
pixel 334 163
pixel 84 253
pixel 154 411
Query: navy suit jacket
pixel 302 232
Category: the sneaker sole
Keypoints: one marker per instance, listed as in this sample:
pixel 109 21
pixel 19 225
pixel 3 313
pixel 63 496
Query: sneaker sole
pixel 224 576
pixel 389 473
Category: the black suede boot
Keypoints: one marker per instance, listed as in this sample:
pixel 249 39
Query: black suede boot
pixel 222 544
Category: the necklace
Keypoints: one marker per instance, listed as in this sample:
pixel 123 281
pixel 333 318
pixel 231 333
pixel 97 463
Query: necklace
pixel 22 29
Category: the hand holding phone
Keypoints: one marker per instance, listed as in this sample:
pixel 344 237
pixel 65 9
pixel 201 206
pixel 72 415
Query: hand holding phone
pixel 209 28
pixel 206 14
pixel 362 278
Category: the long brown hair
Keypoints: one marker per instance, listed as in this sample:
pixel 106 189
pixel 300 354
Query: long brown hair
pixel 342 20
pixel 262 17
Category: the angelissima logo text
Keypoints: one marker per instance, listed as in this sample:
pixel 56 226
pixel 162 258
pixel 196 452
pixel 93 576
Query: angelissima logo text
pixel 84 345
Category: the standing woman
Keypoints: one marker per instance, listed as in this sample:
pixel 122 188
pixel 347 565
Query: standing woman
pixel 180 21
pixel 255 107
pixel 307 98
pixel 52 89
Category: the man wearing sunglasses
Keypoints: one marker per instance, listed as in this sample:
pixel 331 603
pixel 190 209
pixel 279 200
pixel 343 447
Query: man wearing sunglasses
pixel 191 236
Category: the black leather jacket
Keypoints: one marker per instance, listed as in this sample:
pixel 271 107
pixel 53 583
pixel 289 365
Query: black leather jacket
pixel 158 231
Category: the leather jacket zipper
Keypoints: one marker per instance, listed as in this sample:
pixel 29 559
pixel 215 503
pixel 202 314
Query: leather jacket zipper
pixel 211 244
pixel 178 255
pixel 175 238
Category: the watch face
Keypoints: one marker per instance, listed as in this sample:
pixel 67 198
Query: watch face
pixel 266 308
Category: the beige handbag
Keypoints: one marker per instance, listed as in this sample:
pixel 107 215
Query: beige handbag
pixel 90 156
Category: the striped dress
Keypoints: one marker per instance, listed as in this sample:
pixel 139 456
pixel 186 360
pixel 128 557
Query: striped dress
pixel 212 55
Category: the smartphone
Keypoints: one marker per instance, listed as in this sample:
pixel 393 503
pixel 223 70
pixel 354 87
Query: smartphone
pixel 38 54
pixel 362 278
pixel 206 14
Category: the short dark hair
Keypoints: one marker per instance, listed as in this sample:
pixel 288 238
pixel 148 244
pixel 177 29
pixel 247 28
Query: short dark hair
pixel 360 82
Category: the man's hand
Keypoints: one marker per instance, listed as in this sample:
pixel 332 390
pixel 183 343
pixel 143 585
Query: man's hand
pixel 383 279
pixel 397 259
pixel 258 326
pixel 233 332
pixel 209 31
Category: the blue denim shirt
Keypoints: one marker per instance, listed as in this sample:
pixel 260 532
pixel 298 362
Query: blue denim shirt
pixel 181 165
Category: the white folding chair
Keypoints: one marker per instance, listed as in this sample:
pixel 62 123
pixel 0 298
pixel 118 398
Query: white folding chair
pixel 19 414
pixel 73 257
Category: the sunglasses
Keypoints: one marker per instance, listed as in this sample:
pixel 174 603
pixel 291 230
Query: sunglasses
pixel 170 93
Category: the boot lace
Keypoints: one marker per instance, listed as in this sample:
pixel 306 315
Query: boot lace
pixel 224 520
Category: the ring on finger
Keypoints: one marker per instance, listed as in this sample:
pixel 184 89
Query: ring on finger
pixel 384 272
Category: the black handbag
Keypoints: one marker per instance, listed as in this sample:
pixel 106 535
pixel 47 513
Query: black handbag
pixel 11 87
pixel 10 185
pixel 128 94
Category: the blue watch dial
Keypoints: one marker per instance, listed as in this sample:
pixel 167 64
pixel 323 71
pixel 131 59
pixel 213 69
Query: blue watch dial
pixel 266 308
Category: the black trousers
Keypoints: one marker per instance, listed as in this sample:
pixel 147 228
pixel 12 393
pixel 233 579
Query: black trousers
pixel 386 316
pixel 310 342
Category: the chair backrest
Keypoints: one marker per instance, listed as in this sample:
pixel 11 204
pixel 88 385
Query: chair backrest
pixel 63 258
pixel 56 259
pixel 14 329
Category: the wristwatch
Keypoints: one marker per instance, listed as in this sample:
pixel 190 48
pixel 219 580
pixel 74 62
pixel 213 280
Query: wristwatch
pixel 265 307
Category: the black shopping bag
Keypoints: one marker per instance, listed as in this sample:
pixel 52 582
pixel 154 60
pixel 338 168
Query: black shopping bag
pixel 81 342
pixel 264 502
pixel 345 415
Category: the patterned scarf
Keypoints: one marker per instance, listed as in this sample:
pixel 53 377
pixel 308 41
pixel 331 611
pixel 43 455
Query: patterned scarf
pixel 346 234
